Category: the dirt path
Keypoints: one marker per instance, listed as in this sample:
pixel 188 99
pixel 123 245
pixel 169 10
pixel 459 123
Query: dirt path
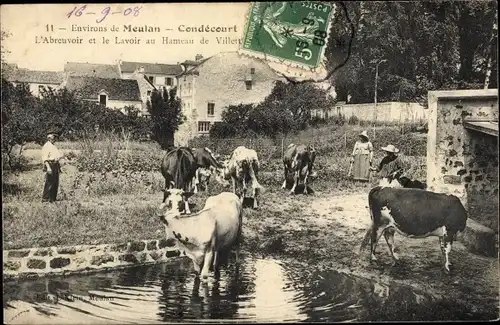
pixel 326 230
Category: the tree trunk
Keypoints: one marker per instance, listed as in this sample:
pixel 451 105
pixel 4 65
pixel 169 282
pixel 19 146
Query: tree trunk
pixel 490 53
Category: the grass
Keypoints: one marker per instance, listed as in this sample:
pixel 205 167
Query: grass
pixel 120 205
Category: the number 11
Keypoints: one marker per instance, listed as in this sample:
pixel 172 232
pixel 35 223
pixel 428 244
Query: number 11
pixel 50 28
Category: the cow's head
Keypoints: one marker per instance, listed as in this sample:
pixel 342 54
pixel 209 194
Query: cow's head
pixel 175 202
pixel 204 174
pixel 209 158
pixel 222 175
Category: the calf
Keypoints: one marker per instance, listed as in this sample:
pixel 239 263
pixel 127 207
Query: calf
pixel 243 167
pixel 205 160
pixel 416 214
pixel 206 234
pixel 298 161
pixel 395 179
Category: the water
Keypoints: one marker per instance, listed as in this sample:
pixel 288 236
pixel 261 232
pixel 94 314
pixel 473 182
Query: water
pixel 255 290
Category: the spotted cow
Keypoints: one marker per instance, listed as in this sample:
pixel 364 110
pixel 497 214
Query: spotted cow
pixel 416 214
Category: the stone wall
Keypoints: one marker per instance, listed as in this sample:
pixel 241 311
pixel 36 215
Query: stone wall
pixel 386 112
pixel 25 263
pixel 460 161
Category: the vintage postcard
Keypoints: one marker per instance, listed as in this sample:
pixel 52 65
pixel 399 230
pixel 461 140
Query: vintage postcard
pixel 293 161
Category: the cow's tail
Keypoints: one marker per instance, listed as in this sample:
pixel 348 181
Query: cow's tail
pixel 367 237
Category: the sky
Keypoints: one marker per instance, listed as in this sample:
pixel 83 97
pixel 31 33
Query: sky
pixel 25 23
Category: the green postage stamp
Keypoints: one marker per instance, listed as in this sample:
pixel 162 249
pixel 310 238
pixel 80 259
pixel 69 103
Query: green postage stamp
pixel 295 33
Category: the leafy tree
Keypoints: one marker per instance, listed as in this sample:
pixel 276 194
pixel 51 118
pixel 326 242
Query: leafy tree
pixel 21 116
pixel 428 45
pixel 166 116
pixel 287 109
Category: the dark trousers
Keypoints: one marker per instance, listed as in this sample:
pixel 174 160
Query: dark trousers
pixel 51 183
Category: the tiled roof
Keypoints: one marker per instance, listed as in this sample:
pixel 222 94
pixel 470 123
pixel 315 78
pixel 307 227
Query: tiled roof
pixel 156 68
pixel 34 76
pixel 97 70
pixel 117 89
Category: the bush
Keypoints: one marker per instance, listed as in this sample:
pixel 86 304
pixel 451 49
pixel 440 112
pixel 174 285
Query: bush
pixel 120 162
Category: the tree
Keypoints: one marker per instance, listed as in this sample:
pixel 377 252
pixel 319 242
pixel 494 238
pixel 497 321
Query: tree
pixel 166 116
pixel 21 116
pixel 428 46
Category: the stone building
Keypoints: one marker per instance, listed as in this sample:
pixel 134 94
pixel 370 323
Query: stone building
pixel 214 83
pixel 462 158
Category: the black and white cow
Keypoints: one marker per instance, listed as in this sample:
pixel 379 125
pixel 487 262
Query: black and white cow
pixel 416 214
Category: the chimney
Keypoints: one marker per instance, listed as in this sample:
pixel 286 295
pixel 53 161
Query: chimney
pixel 198 57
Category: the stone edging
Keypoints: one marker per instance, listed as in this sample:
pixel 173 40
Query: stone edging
pixel 39 262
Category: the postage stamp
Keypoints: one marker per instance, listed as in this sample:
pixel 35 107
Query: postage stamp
pixel 293 33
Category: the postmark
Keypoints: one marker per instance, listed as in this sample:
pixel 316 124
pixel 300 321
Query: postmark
pixel 291 33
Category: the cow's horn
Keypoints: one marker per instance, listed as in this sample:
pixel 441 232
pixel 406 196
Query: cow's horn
pixel 173 183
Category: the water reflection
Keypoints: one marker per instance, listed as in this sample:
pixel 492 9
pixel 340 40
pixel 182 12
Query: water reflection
pixel 255 289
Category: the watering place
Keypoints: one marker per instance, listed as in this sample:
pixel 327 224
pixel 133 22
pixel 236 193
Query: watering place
pixel 253 290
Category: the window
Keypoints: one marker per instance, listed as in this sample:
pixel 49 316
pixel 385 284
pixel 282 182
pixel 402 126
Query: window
pixel 149 93
pixel 189 87
pixel 252 70
pixel 41 89
pixel 248 83
pixel 151 79
pixel 180 89
pixel 103 99
pixel 169 81
pixel 211 109
pixel 203 127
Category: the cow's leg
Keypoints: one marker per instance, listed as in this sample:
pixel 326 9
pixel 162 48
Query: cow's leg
pixel 215 264
pixel 209 257
pixel 305 183
pixel 286 177
pixel 375 236
pixel 186 207
pixel 196 181
pixel 447 243
pixel 234 184
pixel 165 191
pixel 295 181
pixel 389 238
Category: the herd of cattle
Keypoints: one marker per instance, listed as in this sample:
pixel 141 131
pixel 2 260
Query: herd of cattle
pixel 397 204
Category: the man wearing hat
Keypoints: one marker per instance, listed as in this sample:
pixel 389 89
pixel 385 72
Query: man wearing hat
pixel 390 163
pixel 51 166
pixel 362 157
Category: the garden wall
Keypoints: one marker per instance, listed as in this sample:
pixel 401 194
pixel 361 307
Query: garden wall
pixel 34 262
pixel 461 161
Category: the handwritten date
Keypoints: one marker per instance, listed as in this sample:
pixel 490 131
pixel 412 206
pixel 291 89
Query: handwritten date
pixel 78 11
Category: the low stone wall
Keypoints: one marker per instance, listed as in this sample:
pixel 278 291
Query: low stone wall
pixel 35 262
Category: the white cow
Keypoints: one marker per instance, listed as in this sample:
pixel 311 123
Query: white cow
pixel 242 168
pixel 205 234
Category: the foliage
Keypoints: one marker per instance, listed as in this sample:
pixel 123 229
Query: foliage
pixel 26 118
pixel 21 116
pixel 166 114
pixel 428 45
pixel 287 109
pixel 119 162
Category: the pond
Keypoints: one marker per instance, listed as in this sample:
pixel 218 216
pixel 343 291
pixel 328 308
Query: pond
pixel 253 290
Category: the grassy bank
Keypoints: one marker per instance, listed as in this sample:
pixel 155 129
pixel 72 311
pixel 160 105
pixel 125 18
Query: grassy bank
pixel 112 196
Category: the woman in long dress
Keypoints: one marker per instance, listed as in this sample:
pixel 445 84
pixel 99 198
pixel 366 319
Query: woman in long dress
pixel 362 157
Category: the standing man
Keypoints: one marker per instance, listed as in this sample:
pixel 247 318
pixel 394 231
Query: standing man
pixel 51 166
